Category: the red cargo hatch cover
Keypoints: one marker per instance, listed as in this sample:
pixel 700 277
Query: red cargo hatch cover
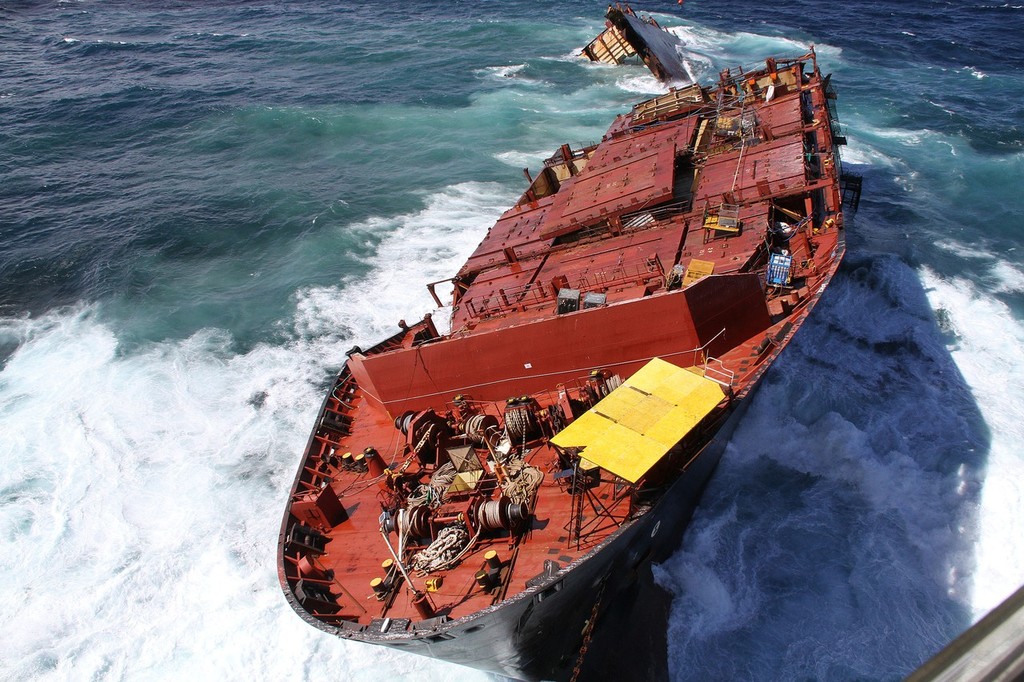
pixel 622 176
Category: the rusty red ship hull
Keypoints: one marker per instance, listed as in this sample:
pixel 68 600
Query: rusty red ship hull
pixel 483 495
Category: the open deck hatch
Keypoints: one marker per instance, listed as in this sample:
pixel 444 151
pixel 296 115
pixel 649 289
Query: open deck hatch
pixel 634 426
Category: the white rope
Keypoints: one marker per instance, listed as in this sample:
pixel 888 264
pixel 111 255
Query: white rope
pixel 447 548
pixel 522 481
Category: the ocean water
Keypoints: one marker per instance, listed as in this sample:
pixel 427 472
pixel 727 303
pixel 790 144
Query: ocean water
pixel 203 205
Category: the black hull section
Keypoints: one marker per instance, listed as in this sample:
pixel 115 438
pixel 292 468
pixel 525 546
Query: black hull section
pixel 658 48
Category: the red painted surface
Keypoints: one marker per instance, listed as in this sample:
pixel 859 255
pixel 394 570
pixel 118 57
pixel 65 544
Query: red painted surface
pixel 616 229
pixel 534 357
pixel 625 174
pixel 518 228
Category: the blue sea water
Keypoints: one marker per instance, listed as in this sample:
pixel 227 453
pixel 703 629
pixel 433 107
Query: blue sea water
pixel 203 205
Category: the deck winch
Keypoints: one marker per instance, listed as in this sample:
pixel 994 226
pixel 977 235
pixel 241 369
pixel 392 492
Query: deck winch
pixel 521 418
pixel 501 514
pixel 425 432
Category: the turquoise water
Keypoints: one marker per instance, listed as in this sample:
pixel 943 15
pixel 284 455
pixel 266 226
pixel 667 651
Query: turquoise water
pixel 201 208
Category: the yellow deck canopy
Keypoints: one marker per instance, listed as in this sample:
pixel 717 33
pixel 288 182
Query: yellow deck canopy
pixel 635 425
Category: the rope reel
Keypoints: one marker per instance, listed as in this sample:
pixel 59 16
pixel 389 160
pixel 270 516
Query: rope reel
pixel 403 420
pixel 501 514
pixel 480 428
pixel 415 522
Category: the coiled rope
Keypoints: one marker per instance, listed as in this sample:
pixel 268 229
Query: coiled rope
pixel 450 545
pixel 521 481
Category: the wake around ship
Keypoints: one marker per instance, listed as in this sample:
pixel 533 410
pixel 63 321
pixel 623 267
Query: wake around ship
pixel 480 496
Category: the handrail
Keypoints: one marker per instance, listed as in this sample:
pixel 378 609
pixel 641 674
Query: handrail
pixel 725 376
pixel 719 374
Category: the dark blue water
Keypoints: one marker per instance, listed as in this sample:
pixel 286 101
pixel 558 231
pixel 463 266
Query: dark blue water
pixel 203 206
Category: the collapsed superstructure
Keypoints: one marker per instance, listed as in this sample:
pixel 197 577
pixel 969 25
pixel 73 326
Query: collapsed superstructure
pixel 628 34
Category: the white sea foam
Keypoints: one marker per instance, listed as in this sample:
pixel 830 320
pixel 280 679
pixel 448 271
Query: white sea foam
pixel 1004 277
pixel 859 151
pixel 506 71
pixel 519 159
pixel 699 38
pixel 574 56
pixel 1009 278
pixel 941 107
pixel 142 491
pixel 990 354
pixel 512 71
pixel 962 250
pixel 768 45
pixel 644 84
pixel 900 135
pixel 422 247
pixel 704 47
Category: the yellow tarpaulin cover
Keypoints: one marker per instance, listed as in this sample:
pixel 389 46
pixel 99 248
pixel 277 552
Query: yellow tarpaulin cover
pixel 635 425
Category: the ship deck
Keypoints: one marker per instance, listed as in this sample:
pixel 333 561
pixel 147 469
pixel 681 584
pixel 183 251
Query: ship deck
pixel 698 233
